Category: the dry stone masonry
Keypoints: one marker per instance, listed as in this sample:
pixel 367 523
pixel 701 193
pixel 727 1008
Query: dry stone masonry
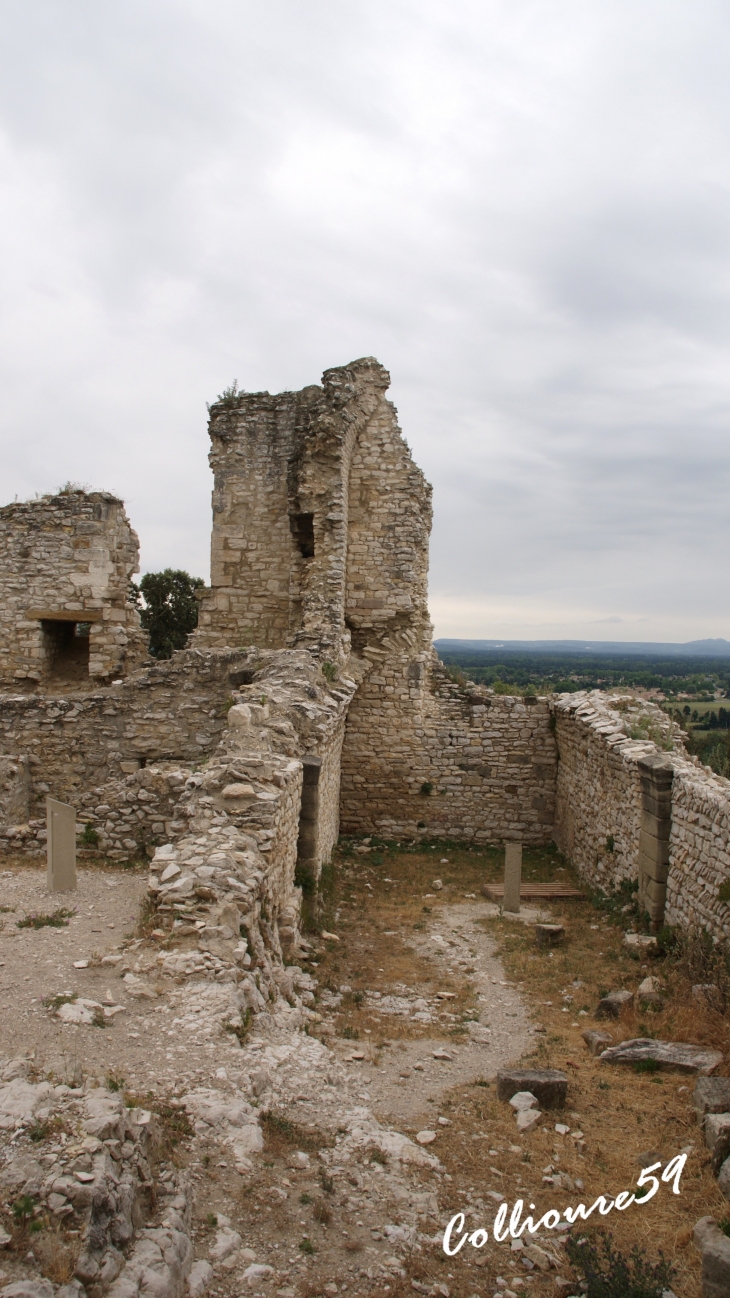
pixel 65 614
pixel 310 699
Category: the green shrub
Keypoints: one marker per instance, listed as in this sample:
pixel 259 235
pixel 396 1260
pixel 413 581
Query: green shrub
pixel 170 609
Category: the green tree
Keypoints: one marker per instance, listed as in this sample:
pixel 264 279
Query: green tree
pixel 170 610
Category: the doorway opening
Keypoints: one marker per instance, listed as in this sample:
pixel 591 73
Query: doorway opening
pixel 67 649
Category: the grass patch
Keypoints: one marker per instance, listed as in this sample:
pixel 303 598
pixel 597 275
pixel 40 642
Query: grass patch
pixel 57 919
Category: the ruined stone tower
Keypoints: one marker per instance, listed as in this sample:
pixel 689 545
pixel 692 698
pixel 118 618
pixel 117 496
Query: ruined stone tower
pixel 65 614
pixel 320 520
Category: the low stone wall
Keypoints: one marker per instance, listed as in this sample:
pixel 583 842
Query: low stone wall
pixel 699 849
pixel 470 765
pixel 598 803
pixel 613 830
pixel 174 711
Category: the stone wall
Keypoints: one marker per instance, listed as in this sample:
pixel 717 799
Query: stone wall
pixel 65 566
pixel 172 711
pixel 614 754
pixel 470 765
pixel 699 849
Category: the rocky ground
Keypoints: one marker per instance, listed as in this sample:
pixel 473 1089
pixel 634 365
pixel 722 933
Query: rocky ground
pixel 321 1147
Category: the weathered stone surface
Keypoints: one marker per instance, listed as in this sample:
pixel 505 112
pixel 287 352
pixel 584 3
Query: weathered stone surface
pixel 512 877
pixel 711 1095
pixel 715 1264
pixel 549 934
pixel 524 1100
pixel 527 1120
pixel 28 1289
pixel 717 1130
pixel 650 992
pixel 67 560
pixel 723 1177
pixel 548 1085
pixel 675 1055
pixel 596 1040
pixel 614 1005
pixel 200 1278
pixel 641 944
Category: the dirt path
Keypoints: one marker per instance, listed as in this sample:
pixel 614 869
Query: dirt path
pixel 330 1150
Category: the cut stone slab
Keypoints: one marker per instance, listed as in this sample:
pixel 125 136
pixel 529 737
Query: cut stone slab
pixel 548 1085
pixel 668 1054
pixel 650 992
pixel 640 944
pixel 723 1178
pixel 614 1005
pixel 549 934
pixel 528 1119
pixel 716 1125
pixel 512 876
pixel 596 1040
pixel 711 1095
pixel 524 1100
pixel 715 1264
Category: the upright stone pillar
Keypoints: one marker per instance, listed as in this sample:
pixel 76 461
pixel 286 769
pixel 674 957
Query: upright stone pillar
pixel 308 862
pixel 61 846
pixel 512 877
pixel 656 773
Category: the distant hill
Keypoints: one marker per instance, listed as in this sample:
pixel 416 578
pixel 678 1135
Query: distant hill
pixel 692 649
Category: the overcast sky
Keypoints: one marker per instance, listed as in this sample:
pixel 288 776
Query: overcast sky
pixel 522 209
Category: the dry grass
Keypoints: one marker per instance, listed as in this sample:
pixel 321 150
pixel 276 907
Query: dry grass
pixel 57 1254
pixel 622 1114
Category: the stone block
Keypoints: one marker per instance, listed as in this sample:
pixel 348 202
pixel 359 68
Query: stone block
pixel 548 1085
pixel 596 1041
pixel 711 1095
pixel 549 934
pixel 723 1178
pixel 716 1265
pixel 60 846
pixel 614 1005
pixel 676 1055
pixel 652 851
pixel 512 877
pixel 717 1128
pixel 641 944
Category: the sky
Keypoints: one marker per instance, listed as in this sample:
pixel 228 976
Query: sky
pixel 521 208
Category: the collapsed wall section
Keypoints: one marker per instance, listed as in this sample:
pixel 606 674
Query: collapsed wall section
pixel 174 711
pixel 65 615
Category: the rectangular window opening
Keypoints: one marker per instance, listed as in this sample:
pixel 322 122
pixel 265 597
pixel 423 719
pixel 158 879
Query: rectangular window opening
pixel 302 529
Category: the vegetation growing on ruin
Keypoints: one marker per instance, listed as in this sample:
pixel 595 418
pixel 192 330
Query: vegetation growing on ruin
pixel 168 608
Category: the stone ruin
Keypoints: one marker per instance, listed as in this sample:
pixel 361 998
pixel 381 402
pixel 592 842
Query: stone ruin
pixel 65 615
pixel 310 700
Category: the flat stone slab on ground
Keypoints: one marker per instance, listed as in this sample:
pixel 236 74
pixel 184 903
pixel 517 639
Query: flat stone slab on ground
pixel 596 1040
pixel 685 1058
pixel 614 1005
pixel 548 1085
pixel 641 944
pixel 711 1095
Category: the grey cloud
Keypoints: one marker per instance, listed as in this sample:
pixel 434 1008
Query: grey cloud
pixel 520 207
